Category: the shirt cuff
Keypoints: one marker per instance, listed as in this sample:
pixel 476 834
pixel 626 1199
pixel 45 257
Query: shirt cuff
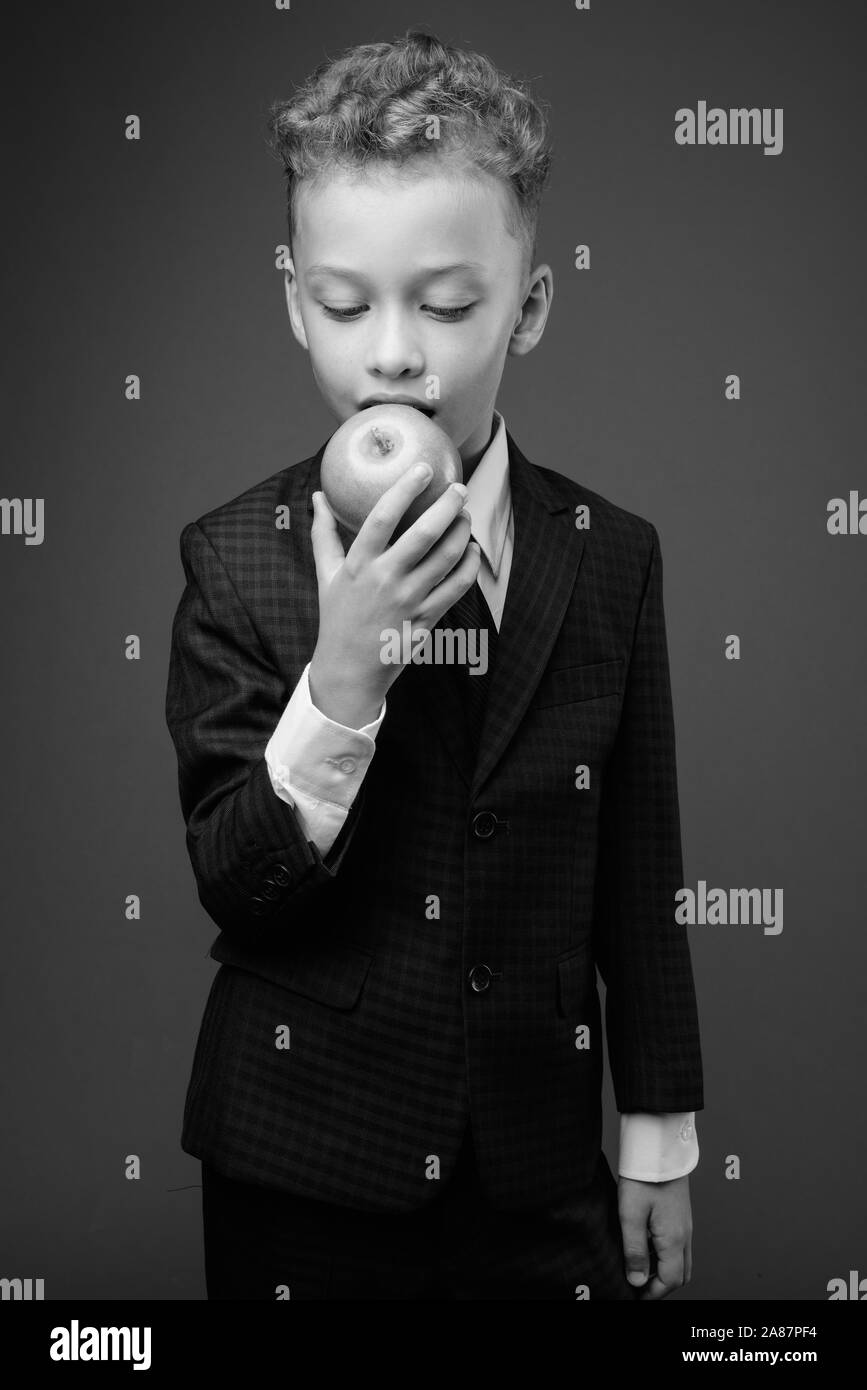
pixel 317 766
pixel 657 1148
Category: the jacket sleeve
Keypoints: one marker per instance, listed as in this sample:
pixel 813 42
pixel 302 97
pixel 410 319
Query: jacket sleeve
pixel 643 955
pixel 224 699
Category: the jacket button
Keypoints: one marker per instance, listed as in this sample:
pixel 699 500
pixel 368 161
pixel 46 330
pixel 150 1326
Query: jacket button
pixel 280 875
pixel 480 977
pixel 258 906
pixel 268 888
pixel 484 824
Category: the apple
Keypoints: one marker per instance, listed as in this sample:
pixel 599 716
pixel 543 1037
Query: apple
pixel 370 451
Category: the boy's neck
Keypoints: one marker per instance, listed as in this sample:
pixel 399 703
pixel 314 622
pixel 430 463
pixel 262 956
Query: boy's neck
pixel 470 464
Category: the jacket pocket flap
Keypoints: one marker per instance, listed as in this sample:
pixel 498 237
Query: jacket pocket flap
pixel 575 978
pixel 568 683
pixel 334 977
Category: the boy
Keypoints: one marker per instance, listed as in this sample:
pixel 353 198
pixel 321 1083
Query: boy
pixel 415 869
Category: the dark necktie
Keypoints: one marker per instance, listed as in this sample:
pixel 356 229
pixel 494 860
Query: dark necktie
pixel 472 612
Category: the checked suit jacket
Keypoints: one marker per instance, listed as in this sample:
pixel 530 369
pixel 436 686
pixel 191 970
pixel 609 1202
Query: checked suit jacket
pixel 346 1044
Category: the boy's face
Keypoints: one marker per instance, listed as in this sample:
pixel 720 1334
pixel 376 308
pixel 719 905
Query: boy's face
pixel 382 248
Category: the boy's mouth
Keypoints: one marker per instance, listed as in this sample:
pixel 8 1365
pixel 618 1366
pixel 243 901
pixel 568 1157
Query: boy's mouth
pixel 397 400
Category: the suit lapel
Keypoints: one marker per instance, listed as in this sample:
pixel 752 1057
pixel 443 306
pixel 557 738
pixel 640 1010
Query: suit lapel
pixel 546 556
pixel 545 560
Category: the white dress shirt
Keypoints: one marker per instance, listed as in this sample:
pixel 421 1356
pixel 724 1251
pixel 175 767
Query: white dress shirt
pixel 317 767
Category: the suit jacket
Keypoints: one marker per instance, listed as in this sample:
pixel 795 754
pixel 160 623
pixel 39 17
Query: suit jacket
pixel 436 968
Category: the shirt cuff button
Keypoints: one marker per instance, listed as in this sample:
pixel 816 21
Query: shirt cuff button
pixel 347 765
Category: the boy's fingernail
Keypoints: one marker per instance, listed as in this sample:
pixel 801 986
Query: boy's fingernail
pixel 635 1276
pixel 423 470
pixel 460 489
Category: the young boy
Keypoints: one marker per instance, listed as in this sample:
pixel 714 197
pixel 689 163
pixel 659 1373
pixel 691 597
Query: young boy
pixel 414 868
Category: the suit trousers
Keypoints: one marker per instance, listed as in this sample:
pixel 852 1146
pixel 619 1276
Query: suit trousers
pixel 266 1244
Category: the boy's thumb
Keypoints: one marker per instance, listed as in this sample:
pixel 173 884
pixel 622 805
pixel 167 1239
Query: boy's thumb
pixel 636 1256
pixel 328 551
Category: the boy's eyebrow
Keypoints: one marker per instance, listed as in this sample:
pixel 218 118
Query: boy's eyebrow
pixel 426 273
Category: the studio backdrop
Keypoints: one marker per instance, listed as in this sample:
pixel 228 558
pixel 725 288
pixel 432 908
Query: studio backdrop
pixel 702 366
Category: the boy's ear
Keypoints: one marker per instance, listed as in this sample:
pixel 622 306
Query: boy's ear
pixel 534 312
pixel 290 285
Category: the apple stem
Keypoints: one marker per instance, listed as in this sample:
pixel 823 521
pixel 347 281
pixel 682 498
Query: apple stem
pixel 383 442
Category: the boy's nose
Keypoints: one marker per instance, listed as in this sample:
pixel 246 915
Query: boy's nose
pixel 395 349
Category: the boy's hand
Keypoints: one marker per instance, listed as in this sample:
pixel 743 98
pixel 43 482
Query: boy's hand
pixel 376 586
pixel 657 1214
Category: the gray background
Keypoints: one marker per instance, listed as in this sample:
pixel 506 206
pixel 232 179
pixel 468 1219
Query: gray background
pixel 158 258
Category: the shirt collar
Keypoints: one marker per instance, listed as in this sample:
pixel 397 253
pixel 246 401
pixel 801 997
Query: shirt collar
pixel 489 498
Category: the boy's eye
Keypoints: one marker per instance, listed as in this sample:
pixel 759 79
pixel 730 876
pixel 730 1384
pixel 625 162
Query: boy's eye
pixel 447 315
pixel 456 313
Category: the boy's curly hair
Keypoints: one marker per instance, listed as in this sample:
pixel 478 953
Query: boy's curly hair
pixel 374 104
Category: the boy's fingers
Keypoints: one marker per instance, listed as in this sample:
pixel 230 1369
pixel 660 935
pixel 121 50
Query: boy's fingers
pixel 687 1256
pixel 444 557
pixel 425 533
pixel 378 527
pixel 653 1290
pixel 328 552
pixel 636 1252
pixel 669 1267
pixel 453 587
